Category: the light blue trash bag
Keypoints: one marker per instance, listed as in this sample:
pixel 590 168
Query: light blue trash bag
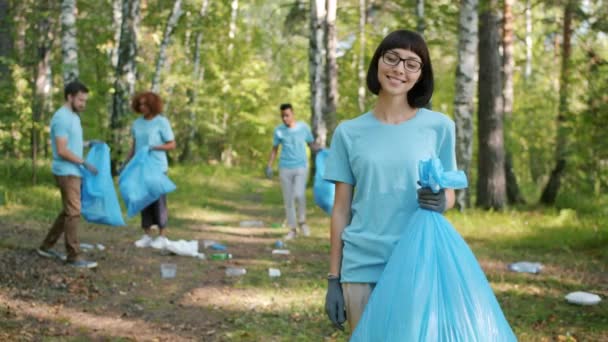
pixel 433 288
pixel 99 203
pixel 142 182
pixel 323 190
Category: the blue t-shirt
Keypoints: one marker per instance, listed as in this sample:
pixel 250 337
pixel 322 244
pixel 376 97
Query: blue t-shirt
pixel 150 133
pixel 66 124
pixel 293 142
pixel 381 162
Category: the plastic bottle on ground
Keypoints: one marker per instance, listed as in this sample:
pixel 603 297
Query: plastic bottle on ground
pixel 235 271
pixel 274 272
pixel 221 256
pixel 526 267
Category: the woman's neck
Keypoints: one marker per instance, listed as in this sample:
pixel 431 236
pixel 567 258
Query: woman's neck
pixel 393 109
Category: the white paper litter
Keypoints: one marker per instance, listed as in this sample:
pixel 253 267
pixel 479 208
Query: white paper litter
pixel 583 298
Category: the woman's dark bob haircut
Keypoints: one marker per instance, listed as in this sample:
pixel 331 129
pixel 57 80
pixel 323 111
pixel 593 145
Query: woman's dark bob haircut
pixel 420 95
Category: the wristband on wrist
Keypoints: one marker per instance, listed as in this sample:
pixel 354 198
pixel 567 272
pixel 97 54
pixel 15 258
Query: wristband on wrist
pixel 332 276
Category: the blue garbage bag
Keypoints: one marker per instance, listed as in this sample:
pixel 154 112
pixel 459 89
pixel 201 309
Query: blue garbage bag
pixel 99 203
pixel 142 182
pixel 323 190
pixel 432 288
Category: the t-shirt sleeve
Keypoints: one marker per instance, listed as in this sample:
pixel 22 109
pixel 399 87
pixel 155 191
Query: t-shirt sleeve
pixel 60 126
pixel 447 147
pixel 309 137
pixel 276 139
pixel 337 168
pixel 166 132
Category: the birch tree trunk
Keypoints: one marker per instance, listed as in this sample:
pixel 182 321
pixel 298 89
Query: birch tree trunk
pixel 420 20
pixel 226 155
pixel 513 194
pixel 465 91
pixel 331 68
pixel 43 78
pixel 528 40
pixel 176 13
pixel 198 73
pixel 491 185
pixel 551 189
pixel 126 75
pixel 361 64
pixel 69 44
pixel 316 68
pixel 116 25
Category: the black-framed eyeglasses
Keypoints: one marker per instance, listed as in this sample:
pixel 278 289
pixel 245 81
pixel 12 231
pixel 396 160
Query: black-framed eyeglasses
pixel 393 59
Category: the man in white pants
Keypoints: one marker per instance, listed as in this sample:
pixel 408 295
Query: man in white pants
pixel 293 136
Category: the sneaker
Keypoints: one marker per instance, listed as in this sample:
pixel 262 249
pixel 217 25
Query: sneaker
pixel 159 243
pixel 145 241
pixel 304 229
pixel 80 263
pixel 291 235
pixel 51 253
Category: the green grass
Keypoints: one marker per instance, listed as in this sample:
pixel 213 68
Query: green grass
pixel 572 243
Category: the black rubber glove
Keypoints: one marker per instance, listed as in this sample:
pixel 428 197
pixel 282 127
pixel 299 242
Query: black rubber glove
pixel 429 200
pixel 334 303
pixel 92 169
pixel 268 172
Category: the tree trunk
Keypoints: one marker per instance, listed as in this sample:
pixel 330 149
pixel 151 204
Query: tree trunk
pixel 316 68
pixel 465 91
pixel 528 40
pixel 69 44
pixel 6 40
pixel 43 79
pixel 361 65
pixel 176 13
pixel 116 26
pixel 551 189
pixel 198 75
pixel 513 194
pixel 331 69
pixel 227 152
pixel 491 185
pixel 126 75
pixel 420 20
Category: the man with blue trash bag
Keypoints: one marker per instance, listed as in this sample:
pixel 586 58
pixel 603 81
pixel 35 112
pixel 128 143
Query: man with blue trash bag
pixel 293 136
pixel 67 145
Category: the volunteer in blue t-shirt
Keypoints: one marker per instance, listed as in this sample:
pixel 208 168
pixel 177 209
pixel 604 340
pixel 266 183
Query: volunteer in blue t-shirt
pixel 373 161
pixel 152 130
pixel 292 136
pixel 67 146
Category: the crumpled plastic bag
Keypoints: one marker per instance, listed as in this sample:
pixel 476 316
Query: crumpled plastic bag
pixel 142 182
pixel 183 247
pixel 323 190
pixel 433 288
pixel 99 202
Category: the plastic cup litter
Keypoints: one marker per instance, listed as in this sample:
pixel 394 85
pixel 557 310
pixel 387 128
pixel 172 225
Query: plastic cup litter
pixel 168 270
pixel 274 272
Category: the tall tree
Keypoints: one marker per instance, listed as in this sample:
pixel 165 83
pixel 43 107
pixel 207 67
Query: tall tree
pixel 465 91
pixel 6 39
pixel 551 189
pixel 513 194
pixel 116 26
pixel 176 13
pixel 316 69
pixel 125 75
pixel 331 67
pixel 69 44
pixel 198 74
pixel 491 187
pixel 43 77
pixel 227 152
pixel 361 64
pixel 420 19
pixel 528 40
